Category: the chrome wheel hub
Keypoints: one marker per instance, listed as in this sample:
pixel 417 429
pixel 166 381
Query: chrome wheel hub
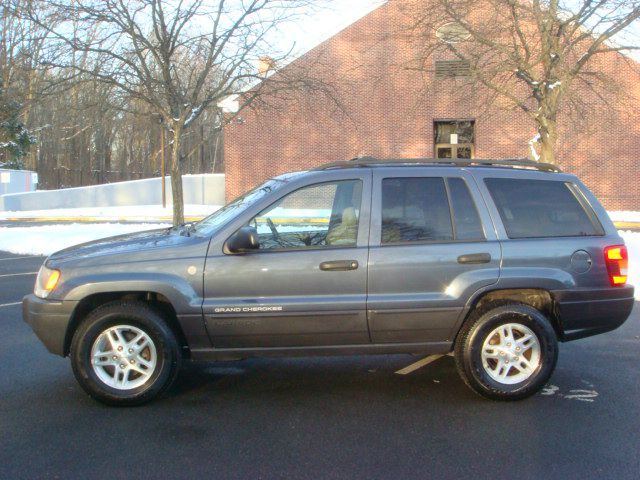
pixel 511 353
pixel 124 357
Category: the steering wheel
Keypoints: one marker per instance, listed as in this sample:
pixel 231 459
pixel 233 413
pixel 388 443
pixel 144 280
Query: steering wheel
pixel 272 227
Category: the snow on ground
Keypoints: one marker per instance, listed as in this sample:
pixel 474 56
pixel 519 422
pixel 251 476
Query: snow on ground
pixel 144 213
pixel 632 241
pixel 154 212
pixel 44 240
pixel 624 216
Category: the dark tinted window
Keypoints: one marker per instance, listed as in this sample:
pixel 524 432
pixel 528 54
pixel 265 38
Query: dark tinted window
pixel 541 208
pixel 465 214
pixel 415 210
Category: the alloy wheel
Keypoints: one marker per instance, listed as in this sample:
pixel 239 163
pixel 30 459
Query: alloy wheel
pixel 124 357
pixel 511 353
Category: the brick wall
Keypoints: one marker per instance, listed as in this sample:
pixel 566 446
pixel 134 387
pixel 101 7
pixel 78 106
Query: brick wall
pixel 386 110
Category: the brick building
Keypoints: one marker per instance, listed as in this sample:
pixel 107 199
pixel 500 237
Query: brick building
pixel 390 111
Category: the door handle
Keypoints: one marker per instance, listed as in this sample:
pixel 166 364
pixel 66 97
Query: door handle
pixel 339 265
pixel 474 258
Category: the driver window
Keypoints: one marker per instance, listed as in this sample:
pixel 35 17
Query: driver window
pixel 321 215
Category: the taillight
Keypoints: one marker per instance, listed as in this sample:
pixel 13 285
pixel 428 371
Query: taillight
pixel 617 262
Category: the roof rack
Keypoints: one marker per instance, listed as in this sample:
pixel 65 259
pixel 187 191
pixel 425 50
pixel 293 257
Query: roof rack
pixel 458 162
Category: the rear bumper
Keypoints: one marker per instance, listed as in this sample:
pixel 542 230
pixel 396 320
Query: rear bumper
pixel 49 320
pixel 586 312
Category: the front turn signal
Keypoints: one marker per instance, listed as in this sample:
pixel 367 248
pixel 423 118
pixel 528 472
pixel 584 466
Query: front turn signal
pixel 46 282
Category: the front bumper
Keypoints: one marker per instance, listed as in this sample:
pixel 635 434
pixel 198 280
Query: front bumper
pixel 585 312
pixel 49 320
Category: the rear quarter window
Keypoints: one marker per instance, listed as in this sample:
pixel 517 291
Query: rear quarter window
pixel 542 208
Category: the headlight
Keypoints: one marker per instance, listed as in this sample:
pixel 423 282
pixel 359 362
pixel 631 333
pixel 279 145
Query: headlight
pixel 46 281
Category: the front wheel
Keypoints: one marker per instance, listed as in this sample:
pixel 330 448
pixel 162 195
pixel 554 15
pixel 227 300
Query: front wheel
pixel 124 353
pixel 508 353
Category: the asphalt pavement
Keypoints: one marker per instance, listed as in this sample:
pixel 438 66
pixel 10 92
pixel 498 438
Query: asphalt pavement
pixel 316 418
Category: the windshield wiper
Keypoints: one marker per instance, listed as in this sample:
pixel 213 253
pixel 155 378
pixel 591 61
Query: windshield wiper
pixel 184 228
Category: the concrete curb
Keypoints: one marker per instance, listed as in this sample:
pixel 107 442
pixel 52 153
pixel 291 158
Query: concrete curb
pixel 627 225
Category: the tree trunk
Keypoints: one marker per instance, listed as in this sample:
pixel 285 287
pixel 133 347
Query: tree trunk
pixel 548 144
pixel 544 146
pixel 176 177
pixel 32 156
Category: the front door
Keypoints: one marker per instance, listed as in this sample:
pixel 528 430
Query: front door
pixel 306 284
pixel 431 248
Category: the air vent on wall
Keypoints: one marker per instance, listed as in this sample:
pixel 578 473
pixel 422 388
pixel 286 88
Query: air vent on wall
pixel 452 68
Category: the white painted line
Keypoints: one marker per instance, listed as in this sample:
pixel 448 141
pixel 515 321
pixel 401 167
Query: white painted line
pixel 419 364
pixel 17 258
pixel 10 304
pixel 18 274
pixel 582 395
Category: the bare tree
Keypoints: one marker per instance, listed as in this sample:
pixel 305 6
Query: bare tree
pixel 21 51
pixel 533 54
pixel 176 58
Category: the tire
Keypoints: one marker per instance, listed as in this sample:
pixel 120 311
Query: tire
pixel 125 372
pixel 496 360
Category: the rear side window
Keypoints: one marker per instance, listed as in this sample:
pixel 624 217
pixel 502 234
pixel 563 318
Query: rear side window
pixel 415 210
pixel 542 208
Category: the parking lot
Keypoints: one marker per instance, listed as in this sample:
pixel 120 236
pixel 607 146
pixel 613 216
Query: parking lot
pixel 344 417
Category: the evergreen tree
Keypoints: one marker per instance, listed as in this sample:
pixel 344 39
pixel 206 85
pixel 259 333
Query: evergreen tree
pixel 15 139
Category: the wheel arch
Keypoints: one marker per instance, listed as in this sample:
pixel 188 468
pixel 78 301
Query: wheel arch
pixel 156 300
pixel 539 298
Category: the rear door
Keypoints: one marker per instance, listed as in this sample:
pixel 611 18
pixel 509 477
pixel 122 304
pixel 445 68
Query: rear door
pixel 432 246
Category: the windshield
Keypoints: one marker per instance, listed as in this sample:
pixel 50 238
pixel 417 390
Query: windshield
pixel 240 204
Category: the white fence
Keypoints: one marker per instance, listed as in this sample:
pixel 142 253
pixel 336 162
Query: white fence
pixel 17 181
pixel 205 189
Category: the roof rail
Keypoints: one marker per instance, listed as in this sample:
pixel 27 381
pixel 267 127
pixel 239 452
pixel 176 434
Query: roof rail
pixel 458 162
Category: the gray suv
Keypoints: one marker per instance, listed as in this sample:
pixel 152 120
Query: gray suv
pixel 496 261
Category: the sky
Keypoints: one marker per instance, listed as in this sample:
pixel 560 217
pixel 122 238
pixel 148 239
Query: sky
pixel 324 23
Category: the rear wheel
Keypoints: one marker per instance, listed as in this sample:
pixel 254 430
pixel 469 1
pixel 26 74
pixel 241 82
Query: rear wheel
pixel 507 353
pixel 124 353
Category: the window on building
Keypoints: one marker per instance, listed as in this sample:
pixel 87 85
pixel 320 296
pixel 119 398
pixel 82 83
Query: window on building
pixel 454 138
pixel 322 215
pixel 542 208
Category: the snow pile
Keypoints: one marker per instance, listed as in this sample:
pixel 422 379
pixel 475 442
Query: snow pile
pixel 624 216
pixel 132 213
pixel 632 241
pixel 50 238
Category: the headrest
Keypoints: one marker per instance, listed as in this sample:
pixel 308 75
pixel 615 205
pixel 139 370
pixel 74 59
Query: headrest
pixel 349 217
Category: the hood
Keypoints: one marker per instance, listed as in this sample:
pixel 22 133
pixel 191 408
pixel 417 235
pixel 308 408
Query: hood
pixel 138 243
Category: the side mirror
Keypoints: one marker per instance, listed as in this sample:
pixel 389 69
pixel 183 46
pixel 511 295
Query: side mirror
pixel 243 240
